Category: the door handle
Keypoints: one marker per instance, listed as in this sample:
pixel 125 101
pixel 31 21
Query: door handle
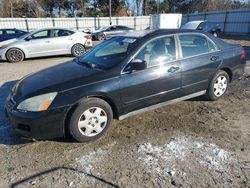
pixel 47 41
pixel 214 58
pixel 173 69
pixel 70 39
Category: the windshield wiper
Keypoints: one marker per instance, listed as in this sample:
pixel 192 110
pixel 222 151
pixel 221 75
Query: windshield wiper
pixel 90 65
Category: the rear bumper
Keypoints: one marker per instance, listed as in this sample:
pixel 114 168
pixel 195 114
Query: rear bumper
pixel 39 125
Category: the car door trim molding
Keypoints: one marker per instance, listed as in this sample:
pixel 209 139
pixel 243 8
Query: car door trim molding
pixel 154 95
pixel 162 104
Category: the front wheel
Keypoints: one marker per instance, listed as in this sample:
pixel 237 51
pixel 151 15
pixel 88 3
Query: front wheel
pixel 78 50
pixel 218 86
pixel 90 120
pixel 14 55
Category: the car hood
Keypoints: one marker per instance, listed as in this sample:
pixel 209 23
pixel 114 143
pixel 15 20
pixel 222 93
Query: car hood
pixel 55 79
pixel 8 41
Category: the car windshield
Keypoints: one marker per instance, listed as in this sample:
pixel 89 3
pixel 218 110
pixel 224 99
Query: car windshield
pixel 110 52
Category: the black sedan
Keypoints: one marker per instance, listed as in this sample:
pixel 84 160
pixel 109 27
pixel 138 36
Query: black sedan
pixel 120 77
pixel 109 31
pixel 6 34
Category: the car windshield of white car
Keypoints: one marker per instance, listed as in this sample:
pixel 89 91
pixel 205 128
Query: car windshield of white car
pixel 110 52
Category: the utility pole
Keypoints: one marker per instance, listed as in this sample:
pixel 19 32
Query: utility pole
pixel 11 9
pixel 157 5
pixel 110 22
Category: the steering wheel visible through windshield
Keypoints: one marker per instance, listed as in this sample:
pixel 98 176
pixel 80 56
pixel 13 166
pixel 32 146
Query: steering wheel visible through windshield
pixel 110 52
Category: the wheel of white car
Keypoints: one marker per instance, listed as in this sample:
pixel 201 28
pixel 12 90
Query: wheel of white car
pixel 101 36
pixel 14 55
pixel 218 85
pixel 78 50
pixel 90 120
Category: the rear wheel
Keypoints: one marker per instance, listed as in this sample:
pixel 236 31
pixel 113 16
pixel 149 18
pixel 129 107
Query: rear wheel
pixel 101 36
pixel 90 120
pixel 78 50
pixel 218 86
pixel 14 55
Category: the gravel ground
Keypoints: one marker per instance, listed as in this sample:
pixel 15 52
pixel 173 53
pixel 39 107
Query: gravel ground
pixel 194 143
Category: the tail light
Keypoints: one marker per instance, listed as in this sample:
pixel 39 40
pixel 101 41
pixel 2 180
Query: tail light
pixel 243 54
pixel 88 36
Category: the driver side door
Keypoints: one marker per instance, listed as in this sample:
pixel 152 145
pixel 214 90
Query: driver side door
pixel 159 82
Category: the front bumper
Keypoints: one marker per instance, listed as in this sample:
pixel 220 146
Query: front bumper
pixel 2 54
pixel 39 125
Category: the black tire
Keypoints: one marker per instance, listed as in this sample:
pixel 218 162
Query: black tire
pixel 14 55
pixel 101 36
pixel 211 93
pixel 78 50
pixel 85 106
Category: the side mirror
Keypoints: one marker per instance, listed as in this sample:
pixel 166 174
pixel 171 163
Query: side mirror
pixel 200 28
pixel 136 65
pixel 28 38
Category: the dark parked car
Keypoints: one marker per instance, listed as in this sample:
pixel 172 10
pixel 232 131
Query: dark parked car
pixel 109 31
pixel 120 77
pixel 6 34
pixel 206 26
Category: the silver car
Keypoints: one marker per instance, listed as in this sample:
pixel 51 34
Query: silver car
pixel 45 42
pixel 109 31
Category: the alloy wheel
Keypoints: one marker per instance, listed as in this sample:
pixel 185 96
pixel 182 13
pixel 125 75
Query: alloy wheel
pixel 15 55
pixel 79 50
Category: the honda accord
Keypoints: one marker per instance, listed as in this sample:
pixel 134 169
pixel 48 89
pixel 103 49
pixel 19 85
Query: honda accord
pixel 120 77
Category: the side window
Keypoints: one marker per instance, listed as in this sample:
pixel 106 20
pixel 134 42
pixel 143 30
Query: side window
pixel 192 45
pixel 62 33
pixel 41 34
pixel 158 51
pixel 1 32
pixel 9 32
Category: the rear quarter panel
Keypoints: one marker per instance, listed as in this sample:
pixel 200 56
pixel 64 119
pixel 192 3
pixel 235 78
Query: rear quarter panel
pixel 232 60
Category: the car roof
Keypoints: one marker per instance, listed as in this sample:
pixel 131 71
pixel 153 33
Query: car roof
pixel 50 28
pixel 148 33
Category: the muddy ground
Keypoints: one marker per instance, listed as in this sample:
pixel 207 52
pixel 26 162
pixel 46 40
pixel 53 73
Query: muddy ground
pixel 194 143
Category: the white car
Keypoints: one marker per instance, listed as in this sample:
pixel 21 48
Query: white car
pixel 45 42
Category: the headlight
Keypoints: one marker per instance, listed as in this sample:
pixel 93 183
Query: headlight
pixel 37 103
pixel 4 46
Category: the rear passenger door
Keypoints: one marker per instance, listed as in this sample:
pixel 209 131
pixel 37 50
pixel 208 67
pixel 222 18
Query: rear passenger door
pixel 62 41
pixel 200 59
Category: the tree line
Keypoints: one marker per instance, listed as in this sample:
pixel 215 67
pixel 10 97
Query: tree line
pixel 87 8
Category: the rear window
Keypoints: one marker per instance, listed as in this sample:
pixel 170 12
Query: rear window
pixel 195 44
